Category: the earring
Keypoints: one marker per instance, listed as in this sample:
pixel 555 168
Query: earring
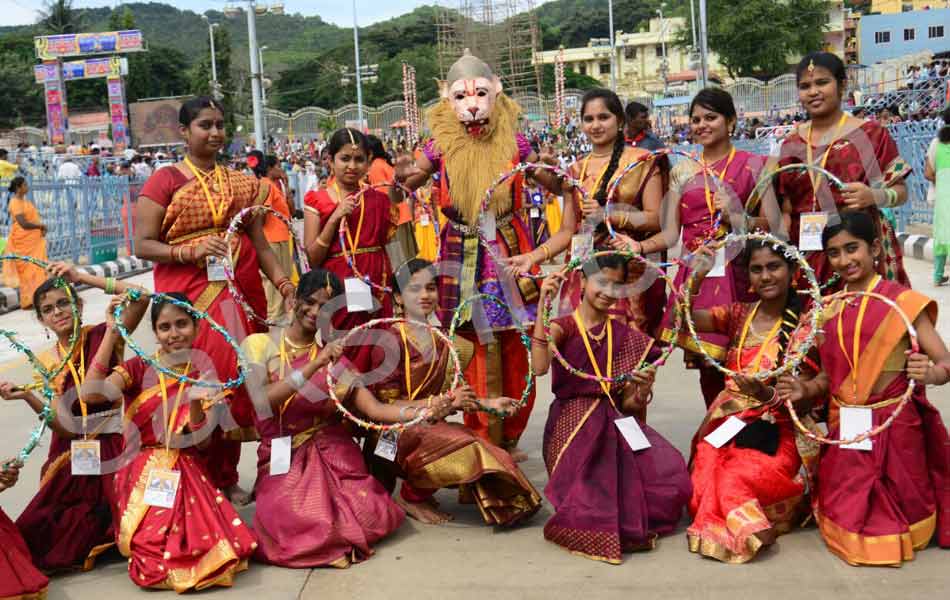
pixel 47 333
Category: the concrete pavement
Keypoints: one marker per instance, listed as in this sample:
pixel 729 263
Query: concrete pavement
pixel 465 559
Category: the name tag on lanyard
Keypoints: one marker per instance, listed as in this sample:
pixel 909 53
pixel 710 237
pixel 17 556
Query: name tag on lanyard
pixel 161 487
pixel 387 445
pixel 86 457
pixel 810 228
pixel 280 455
pixel 216 269
pixel 855 420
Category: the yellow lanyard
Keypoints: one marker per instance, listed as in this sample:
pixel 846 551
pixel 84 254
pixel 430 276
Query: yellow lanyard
pixel 359 224
pixel 600 177
pixel 709 202
pixel 285 359
pixel 217 210
pixel 813 177
pixel 590 353
pixel 174 418
pixel 856 348
pixel 78 379
pixel 405 346
pixel 745 332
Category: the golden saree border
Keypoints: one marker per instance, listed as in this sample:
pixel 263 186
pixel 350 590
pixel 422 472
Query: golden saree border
pixel 207 297
pixel 357 252
pixel 196 234
pixel 136 508
pixel 55 467
pixel 595 545
pixel 202 576
pixel 742 525
pixel 574 433
pixel 887 550
pixel 686 342
pixel 494 388
pixel 40 595
pixel 496 509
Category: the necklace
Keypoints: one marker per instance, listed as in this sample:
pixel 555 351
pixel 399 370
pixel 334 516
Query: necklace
pixel 599 336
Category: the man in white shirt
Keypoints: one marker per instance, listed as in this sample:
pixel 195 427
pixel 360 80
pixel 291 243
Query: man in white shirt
pixel 68 170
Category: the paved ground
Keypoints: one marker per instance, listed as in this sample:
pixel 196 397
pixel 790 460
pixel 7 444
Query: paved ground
pixel 468 560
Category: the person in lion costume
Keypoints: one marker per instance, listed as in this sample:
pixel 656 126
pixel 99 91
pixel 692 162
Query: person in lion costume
pixel 475 140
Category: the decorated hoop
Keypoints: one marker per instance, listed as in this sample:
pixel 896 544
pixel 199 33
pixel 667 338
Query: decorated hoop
pixel 236 223
pixel 548 308
pixel 133 295
pixel 453 356
pixel 615 183
pixel 904 399
pixel 46 414
pixel 344 231
pixel 490 245
pixel 49 374
pixel 793 359
pixel 525 339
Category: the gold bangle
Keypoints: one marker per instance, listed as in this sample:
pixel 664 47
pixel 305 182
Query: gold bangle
pixel 547 251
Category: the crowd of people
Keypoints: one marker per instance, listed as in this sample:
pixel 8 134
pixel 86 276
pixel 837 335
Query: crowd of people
pixel 615 483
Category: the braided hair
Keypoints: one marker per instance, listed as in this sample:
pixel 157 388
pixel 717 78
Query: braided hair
pixel 615 106
pixel 793 304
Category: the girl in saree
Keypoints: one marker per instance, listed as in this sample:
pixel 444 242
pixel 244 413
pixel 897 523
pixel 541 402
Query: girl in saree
pixel 347 511
pixel 748 491
pixel 28 238
pixel 608 499
pixel 444 454
pixel 19 579
pixel 194 539
pixel 370 216
pixel 69 521
pixel 860 153
pixel 712 121
pixel 636 208
pixel 180 220
pixel 879 506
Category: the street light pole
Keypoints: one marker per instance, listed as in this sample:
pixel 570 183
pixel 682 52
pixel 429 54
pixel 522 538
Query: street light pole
pixel 215 93
pixel 703 45
pixel 692 18
pixel 359 83
pixel 613 52
pixel 259 133
pixel 260 58
pixel 664 63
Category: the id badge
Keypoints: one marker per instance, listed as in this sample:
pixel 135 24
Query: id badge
pixel 216 269
pixel 359 296
pixel 632 433
pixel 424 220
pixel 855 420
pixel 280 455
pixel 86 457
pixel 387 445
pixel 582 245
pixel 161 487
pixel 488 226
pixel 725 432
pixel 535 212
pixel 810 228
pixel 719 268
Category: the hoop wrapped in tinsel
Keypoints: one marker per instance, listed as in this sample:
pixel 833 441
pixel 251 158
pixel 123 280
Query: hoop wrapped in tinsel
pixel 134 295
pixel 525 339
pixel 344 232
pixel 548 309
pixel 61 283
pixel 793 358
pixel 46 414
pixel 904 399
pixel 236 223
pixel 491 245
pixel 422 415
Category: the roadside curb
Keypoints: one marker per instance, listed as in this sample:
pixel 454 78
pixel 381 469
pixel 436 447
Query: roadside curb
pixel 920 247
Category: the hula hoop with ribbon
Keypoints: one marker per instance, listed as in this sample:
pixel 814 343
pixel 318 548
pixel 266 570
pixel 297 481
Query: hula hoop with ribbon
pixel 904 399
pixel 344 232
pixel 48 374
pixel 133 295
pixel 47 414
pixel 548 309
pixel 422 415
pixel 792 360
pixel 525 339
pixel 236 223
pixel 490 245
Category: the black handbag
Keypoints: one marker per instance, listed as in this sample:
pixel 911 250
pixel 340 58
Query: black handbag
pixel 759 435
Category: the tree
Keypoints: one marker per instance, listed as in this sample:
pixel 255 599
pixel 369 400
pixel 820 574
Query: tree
pixel 59 17
pixel 160 72
pixel 761 37
pixel 121 20
pixel 572 80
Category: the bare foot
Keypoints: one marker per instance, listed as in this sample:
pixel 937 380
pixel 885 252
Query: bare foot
pixel 237 495
pixel 425 512
pixel 517 454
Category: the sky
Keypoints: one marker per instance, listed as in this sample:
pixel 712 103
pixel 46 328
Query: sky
pixel 23 12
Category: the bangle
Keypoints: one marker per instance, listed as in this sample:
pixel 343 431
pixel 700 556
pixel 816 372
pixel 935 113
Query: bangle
pixel 192 251
pixel 281 287
pixel 547 251
pixel 321 243
pixel 97 366
pixel 891 194
pixel 296 380
pixel 539 340
pixel 110 285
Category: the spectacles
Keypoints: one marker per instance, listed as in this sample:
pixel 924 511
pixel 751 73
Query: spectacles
pixel 63 304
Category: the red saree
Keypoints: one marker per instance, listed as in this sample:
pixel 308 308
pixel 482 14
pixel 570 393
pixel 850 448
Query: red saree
pixel 188 221
pixel 371 225
pixel 878 507
pixel 738 492
pixel 327 510
pixel 200 542
pixel 607 498
pixel 69 521
pixel 430 457
pixel 19 579
pixel 868 155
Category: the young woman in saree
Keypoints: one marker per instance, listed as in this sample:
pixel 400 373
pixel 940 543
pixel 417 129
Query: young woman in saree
pixel 861 153
pixel 19 579
pixel 192 538
pixel 180 220
pixel 748 491
pixel 712 121
pixel 608 499
pixel 879 506
pixel 69 521
pixel 28 238
pixel 444 454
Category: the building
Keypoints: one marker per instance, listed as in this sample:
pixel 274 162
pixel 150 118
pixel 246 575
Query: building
pixel 841 32
pixel 893 35
pixel 890 7
pixel 647 62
